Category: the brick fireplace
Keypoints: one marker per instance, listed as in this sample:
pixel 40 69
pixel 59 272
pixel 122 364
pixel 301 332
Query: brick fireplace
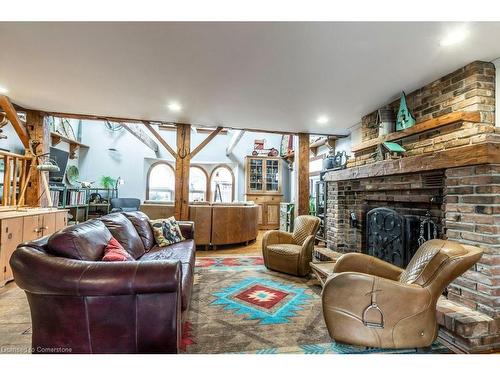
pixel 451 171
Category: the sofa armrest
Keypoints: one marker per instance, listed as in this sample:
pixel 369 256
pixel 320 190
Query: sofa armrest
pixel 187 229
pixel 40 273
pixel 357 262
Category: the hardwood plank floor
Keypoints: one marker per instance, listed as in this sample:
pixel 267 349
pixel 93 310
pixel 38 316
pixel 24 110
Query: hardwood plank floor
pixel 253 248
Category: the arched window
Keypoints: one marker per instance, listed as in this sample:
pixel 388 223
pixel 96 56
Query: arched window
pixel 161 183
pixel 197 184
pixel 222 184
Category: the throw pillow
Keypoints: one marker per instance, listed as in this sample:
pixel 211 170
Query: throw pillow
pixel 114 252
pixel 166 231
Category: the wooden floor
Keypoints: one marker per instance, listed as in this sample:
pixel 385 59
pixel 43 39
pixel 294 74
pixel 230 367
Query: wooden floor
pixel 253 248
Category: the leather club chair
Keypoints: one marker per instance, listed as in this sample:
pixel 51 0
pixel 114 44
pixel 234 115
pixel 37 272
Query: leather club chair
pixel 85 305
pixel 291 252
pixel 369 302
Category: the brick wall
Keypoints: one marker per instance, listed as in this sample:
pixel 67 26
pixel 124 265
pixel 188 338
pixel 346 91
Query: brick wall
pixel 472 216
pixel 471 88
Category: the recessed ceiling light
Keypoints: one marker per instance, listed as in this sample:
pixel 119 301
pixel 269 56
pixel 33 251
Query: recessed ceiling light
pixel 454 37
pixel 174 107
pixel 322 120
pixel 3 90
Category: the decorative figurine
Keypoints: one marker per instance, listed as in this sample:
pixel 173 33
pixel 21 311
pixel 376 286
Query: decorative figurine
pixel 335 161
pixel 385 121
pixel 404 119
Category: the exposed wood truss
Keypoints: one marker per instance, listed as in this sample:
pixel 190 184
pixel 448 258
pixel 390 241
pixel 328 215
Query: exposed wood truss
pixel 205 141
pixel 182 157
pixel 160 139
pixel 11 113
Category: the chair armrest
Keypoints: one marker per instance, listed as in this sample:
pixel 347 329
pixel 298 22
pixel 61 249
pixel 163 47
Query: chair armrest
pixel 357 262
pixel 187 229
pixel 274 237
pixel 349 294
pixel 40 273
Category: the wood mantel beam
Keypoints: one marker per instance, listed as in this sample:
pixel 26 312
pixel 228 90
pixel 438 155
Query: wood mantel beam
pixel 479 153
pixel 205 141
pixel 11 113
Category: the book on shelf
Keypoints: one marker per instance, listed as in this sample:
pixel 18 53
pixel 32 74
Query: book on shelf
pixel 55 195
pixel 76 198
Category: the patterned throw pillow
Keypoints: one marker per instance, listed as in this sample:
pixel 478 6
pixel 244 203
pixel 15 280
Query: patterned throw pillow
pixel 166 231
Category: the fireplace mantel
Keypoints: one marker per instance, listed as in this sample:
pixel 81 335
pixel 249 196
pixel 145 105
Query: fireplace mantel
pixel 481 153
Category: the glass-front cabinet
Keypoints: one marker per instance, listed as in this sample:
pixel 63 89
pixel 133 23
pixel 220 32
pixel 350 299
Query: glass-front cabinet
pixel 263 175
pixel 263 186
pixel 272 175
pixel 255 174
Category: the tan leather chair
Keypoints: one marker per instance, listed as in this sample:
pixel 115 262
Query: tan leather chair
pixel 369 302
pixel 291 252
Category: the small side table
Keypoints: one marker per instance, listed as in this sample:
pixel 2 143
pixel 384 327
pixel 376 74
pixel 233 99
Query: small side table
pixel 322 270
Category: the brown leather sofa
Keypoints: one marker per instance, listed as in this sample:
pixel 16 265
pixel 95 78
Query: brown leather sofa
pixel 291 252
pixel 373 303
pixel 86 305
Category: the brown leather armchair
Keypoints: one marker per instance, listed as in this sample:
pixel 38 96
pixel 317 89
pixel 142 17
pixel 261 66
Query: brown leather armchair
pixel 372 303
pixel 291 252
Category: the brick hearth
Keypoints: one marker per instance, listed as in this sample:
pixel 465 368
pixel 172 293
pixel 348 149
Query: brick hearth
pixel 443 173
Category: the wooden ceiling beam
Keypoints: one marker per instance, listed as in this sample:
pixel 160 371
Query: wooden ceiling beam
pixel 160 139
pixel 142 121
pixel 19 127
pixel 205 142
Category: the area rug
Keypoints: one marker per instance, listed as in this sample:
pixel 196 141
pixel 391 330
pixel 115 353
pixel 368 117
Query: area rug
pixel 238 306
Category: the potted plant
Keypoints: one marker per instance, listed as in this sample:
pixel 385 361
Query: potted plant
pixel 108 182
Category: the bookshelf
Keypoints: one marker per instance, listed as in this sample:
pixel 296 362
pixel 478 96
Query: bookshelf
pixel 78 201
pixel 98 208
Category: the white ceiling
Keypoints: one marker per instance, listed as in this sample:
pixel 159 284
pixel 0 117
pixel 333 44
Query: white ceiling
pixel 271 76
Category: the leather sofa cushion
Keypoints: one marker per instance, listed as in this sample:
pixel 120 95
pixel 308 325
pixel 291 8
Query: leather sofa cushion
pixel 185 253
pixel 124 231
pixel 141 224
pixel 84 241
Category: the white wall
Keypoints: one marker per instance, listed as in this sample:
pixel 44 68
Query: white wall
pixel 12 143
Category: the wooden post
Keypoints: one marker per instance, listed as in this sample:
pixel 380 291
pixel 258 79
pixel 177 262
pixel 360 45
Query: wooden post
pixel 35 195
pixel 302 174
pixel 182 164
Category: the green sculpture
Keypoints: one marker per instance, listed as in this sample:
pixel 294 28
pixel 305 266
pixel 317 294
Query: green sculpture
pixel 404 119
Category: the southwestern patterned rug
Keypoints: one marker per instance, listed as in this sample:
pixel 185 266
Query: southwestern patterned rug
pixel 238 306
